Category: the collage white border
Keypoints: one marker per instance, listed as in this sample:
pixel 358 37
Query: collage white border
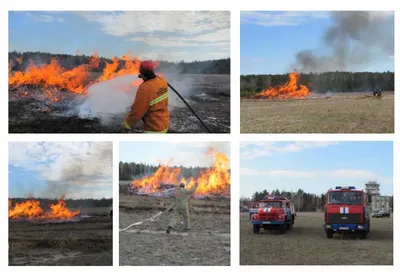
pixel 234 6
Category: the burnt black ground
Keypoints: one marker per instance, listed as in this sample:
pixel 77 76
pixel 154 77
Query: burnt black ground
pixel 29 115
pixel 87 242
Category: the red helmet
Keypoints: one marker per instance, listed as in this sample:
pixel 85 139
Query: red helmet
pixel 146 67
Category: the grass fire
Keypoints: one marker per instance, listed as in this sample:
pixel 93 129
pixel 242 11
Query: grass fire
pixel 101 89
pixel 31 210
pixel 153 205
pixel 340 81
pixel 290 90
pixel 214 180
pixel 55 218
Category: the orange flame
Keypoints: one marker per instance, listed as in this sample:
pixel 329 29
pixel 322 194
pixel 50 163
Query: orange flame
pixel 76 80
pixel 31 209
pixel 214 180
pixel 289 90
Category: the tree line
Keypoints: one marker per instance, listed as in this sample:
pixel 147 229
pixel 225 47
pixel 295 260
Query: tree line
pixel 303 202
pixel 129 171
pixel 218 66
pixel 321 82
pixel 71 203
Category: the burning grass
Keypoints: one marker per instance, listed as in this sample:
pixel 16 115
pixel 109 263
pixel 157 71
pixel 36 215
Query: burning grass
pixel 31 210
pixel 53 76
pixel 31 110
pixel 289 90
pixel 214 180
pixel 306 244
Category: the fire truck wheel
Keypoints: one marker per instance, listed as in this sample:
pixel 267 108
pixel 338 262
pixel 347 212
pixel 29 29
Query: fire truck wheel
pixel 282 229
pixel 329 234
pixel 256 228
pixel 363 235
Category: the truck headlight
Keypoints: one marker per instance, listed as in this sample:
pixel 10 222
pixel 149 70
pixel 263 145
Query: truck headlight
pixel 280 217
pixel 360 227
pixel 328 226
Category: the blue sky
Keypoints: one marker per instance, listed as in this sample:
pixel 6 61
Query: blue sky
pixel 70 169
pixel 173 153
pixel 314 166
pixel 269 41
pixel 173 36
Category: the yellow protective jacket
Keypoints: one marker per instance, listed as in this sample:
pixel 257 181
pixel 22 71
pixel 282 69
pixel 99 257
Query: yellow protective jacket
pixel 151 106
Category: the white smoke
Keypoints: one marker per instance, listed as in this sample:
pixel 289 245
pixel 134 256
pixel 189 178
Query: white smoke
pixel 108 99
pixel 111 99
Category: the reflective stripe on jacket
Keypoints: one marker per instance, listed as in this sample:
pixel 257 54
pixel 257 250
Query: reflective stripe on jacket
pixel 151 106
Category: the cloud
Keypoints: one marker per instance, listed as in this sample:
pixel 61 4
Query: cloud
pixel 167 28
pixel 177 56
pixel 287 18
pixel 342 174
pixel 277 173
pixel 353 174
pixel 67 167
pixel 44 17
pixel 252 150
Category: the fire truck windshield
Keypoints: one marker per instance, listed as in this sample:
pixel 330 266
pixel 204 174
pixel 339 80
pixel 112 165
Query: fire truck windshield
pixel 345 198
pixel 274 204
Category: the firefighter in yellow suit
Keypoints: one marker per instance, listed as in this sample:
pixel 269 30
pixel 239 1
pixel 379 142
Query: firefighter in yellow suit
pixel 181 207
pixel 151 102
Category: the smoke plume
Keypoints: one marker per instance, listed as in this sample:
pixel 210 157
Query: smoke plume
pixel 111 99
pixel 354 40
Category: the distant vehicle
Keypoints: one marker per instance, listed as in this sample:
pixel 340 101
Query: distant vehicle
pixel 346 210
pixel 377 92
pixel 274 212
pixel 381 214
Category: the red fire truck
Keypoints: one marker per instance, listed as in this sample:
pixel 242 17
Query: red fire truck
pixel 273 212
pixel 346 210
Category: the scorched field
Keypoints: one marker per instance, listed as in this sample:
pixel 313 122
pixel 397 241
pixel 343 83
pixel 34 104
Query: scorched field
pixel 85 240
pixel 306 244
pixel 207 243
pixel 50 99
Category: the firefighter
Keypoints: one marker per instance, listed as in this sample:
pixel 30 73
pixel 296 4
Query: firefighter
pixel 151 102
pixel 181 208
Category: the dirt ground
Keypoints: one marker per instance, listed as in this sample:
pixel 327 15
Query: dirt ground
pixel 209 97
pixel 338 113
pixel 306 244
pixel 87 242
pixel 206 244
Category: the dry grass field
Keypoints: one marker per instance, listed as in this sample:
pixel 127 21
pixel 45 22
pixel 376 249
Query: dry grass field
pixel 338 113
pixel 208 243
pixel 306 244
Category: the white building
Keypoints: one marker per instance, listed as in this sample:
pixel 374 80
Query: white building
pixel 376 200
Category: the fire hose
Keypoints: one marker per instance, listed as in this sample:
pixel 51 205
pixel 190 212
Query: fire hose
pixel 190 108
pixel 156 217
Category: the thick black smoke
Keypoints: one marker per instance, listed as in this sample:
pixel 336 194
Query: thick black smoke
pixel 355 40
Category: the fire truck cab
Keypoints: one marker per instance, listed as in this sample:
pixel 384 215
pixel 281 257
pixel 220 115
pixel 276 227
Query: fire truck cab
pixel 346 210
pixel 274 212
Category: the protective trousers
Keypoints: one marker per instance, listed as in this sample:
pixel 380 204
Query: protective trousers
pixel 178 214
